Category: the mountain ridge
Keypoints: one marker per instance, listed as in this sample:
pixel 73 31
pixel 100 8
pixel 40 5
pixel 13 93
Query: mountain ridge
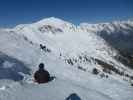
pixel 52 30
pixel 118 31
pixel 81 60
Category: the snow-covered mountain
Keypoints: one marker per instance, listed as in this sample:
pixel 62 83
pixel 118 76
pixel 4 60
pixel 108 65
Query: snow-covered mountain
pixel 118 33
pixel 48 25
pixel 71 54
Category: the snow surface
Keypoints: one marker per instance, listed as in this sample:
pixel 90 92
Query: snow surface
pixel 20 55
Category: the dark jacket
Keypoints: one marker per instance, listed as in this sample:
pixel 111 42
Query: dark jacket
pixel 42 76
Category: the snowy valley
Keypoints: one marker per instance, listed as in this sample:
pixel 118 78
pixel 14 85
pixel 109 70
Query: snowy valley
pixel 89 61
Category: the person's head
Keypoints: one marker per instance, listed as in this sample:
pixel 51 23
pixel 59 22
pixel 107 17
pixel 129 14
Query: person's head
pixel 41 66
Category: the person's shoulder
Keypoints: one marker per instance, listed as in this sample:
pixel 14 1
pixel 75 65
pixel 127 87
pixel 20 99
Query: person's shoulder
pixel 46 71
pixel 37 72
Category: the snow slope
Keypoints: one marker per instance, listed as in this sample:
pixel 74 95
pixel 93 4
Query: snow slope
pixel 83 43
pixel 69 56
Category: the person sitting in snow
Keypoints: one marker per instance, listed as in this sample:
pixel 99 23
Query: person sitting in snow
pixel 41 75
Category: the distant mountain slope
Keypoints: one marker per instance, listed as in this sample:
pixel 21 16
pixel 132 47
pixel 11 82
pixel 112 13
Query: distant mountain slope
pixel 119 33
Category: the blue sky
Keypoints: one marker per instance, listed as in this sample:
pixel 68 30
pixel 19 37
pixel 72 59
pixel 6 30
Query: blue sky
pixel 13 12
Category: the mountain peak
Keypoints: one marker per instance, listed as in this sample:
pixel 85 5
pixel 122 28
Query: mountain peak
pixel 51 21
pixel 56 23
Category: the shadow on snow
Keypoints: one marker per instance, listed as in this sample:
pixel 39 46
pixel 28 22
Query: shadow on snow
pixel 11 68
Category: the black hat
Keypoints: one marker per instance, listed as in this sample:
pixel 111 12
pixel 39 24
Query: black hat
pixel 41 66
